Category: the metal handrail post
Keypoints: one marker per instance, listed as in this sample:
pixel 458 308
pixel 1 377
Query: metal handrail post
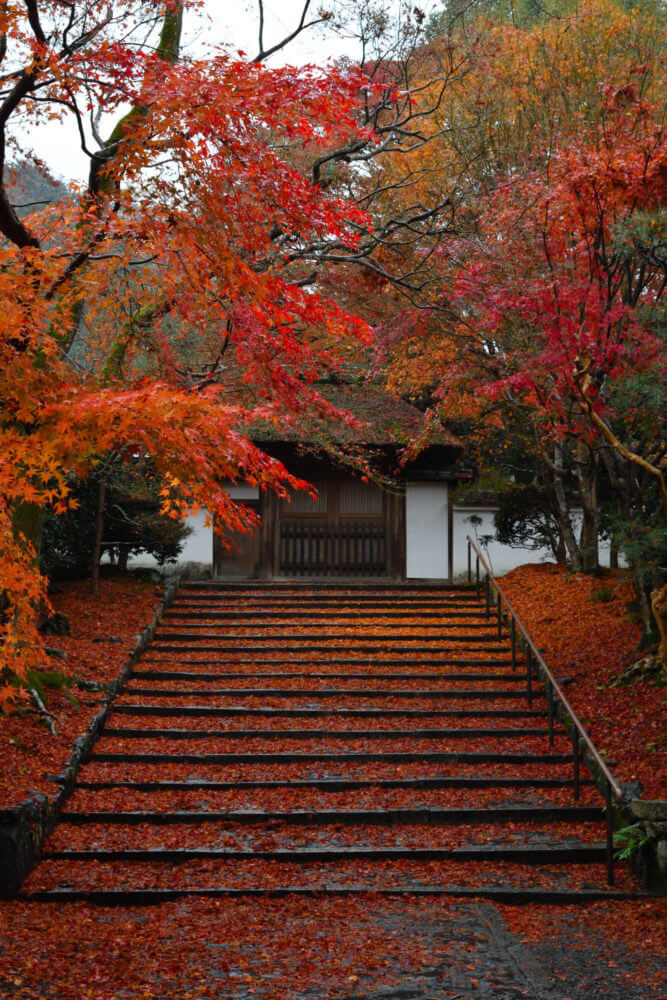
pixel 575 751
pixel 558 692
pixel 469 563
pixel 500 613
pixel 609 815
pixel 477 576
pixel 513 636
pixel 487 587
pixel 550 710
pixel 529 674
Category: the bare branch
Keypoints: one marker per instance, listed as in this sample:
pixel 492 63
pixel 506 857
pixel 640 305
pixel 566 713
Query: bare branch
pixel 301 27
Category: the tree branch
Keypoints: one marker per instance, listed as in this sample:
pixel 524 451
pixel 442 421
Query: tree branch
pixel 33 18
pixel 618 445
pixel 302 26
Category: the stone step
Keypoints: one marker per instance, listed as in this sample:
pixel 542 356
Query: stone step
pixel 467 694
pixel 336 784
pixel 304 633
pixel 207 711
pixel 326 587
pixel 300 613
pixel 382 817
pixel 371 674
pixel 508 895
pixel 302 657
pixel 531 855
pixel 352 757
pixel 136 733
pixel 205 601
pixel 301 653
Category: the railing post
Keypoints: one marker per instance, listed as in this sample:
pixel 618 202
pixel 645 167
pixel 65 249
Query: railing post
pixel 513 635
pixel 477 575
pixel 529 674
pixel 550 709
pixel 499 610
pixel 609 815
pixel 487 587
pixel 575 751
pixel 469 562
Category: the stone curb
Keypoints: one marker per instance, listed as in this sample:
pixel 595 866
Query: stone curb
pixel 23 828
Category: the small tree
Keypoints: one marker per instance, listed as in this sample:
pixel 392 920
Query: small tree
pixel 132 522
pixel 525 518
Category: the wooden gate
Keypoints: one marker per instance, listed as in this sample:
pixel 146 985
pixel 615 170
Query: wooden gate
pixel 342 532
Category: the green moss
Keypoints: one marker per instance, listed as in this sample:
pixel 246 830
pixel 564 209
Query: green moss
pixel 48 680
pixel 170 37
pixel 28 520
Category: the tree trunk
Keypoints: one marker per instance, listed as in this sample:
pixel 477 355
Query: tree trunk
pixel 28 520
pixel 626 490
pixel 588 492
pixel 563 510
pixel 97 548
pixel 659 605
pixel 561 552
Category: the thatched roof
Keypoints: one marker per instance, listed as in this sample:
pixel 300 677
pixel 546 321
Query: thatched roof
pixel 381 420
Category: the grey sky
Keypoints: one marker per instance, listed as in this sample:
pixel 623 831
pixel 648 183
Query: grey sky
pixel 227 22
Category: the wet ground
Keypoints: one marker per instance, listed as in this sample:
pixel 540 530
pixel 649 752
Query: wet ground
pixel 361 949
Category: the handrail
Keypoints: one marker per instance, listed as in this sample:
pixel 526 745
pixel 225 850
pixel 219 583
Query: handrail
pixel 553 688
pixel 618 793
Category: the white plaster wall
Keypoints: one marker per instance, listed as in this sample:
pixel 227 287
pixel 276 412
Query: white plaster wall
pixel 426 531
pixel 242 491
pixel 197 548
pixel 501 558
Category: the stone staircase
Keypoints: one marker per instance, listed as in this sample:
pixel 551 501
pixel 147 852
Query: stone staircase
pixel 288 738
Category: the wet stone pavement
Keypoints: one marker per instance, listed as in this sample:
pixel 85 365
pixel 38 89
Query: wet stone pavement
pixel 475 957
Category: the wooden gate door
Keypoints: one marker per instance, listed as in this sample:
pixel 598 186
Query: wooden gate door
pixel 242 558
pixel 343 532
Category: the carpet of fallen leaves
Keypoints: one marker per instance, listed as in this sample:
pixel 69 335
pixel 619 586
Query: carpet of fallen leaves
pixel 610 930
pixel 591 641
pixel 28 751
pixel 326 948
pixel 322 949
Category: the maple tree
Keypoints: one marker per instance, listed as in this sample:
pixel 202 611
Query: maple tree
pixel 189 232
pixel 538 312
pixel 565 305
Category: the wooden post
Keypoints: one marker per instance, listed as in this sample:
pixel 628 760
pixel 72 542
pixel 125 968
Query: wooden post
pixel 97 545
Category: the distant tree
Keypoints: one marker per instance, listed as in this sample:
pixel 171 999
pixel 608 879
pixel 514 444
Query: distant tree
pixel 132 522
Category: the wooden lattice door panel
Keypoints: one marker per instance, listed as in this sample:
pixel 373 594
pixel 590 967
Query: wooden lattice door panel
pixel 342 532
pixel 358 499
pixel 301 503
pixel 348 548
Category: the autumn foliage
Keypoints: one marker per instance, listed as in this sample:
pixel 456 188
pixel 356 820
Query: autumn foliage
pixel 119 306
pixel 537 319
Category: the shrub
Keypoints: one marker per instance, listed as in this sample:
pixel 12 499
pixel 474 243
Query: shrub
pixel 132 523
